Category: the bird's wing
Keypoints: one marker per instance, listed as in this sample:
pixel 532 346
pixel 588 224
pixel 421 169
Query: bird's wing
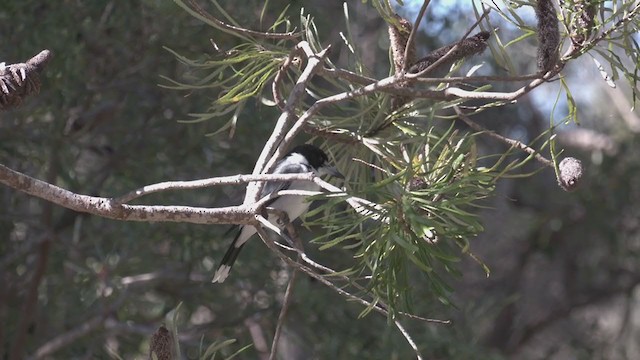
pixel 240 240
pixel 275 186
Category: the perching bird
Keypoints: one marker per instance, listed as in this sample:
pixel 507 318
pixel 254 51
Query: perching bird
pixel 302 159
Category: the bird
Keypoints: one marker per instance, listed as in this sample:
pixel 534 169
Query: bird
pixel 301 159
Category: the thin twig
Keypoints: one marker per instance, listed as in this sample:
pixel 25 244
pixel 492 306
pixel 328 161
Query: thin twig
pixel 348 75
pixel 408 338
pixel 364 80
pixel 511 142
pixel 371 165
pixel 340 136
pixel 412 35
pixel 360 205
pixel 203 183
pixel 277 97
pixel 30 303
pixel 66 338
pixel 271 147
pixel 272 246
pixel 328 271
pixel 469 79
pixel 286 301
pixel 347 95
pixel 451 51
pixel 197 11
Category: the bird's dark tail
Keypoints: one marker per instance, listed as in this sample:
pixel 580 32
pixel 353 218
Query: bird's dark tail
pixel 227 261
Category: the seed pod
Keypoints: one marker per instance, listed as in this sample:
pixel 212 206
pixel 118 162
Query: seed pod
pixel 161 344
pixel 571 172
pixel 548 35
pixel 468 47
pixel 398 37
pixel 18 81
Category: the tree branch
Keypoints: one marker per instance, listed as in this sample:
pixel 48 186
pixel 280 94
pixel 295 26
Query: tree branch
pixel 515 143
pixel 277 97
pixel 274 248
pixel 412 36
pixel 114 208
pixel 273 146
pixel 286 301
pixel 69 337
pixel 109 208
pixel 197 184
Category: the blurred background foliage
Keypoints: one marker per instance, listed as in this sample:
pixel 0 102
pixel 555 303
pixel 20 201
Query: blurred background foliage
pixel 564 269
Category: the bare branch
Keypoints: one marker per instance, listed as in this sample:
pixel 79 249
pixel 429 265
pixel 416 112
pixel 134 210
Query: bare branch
pixel 69 337
pixel 469 79
pixel 515 143
pixel 277 97
pixel 116 209
pixel 453 92
pixel 380 305
pixel 197 184
pixel 109 208
pixel 412 35
pixel 348 75
pixel 286 301
pixel 94 323
pixel 273 145
pixel 274 248
pixel 361 206
pixel 408 338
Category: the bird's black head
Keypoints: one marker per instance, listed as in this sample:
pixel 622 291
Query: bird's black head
pixel 314 155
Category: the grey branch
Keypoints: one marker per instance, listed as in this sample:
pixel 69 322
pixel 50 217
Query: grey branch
pixel 197 184
pixel 412 35
pixel 109 208
pixel 273 148
pixel 515 143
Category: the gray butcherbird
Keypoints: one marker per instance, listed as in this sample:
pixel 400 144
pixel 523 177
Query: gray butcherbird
pixel 302 159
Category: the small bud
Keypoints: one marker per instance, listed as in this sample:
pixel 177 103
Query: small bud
pixel 571 172
pixel 417 183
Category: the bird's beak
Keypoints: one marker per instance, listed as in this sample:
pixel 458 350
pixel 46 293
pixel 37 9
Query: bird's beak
pixel 331 170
